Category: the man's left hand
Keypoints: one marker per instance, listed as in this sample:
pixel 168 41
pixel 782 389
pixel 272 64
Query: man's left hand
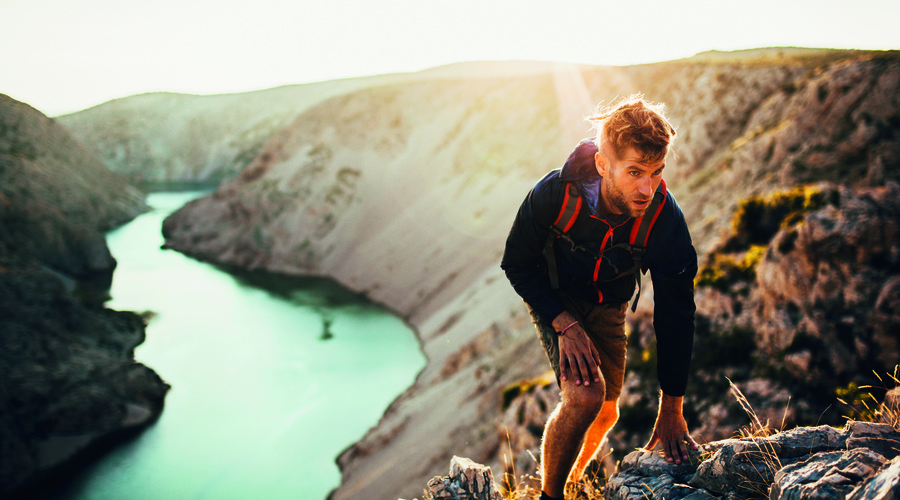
pixel 672 431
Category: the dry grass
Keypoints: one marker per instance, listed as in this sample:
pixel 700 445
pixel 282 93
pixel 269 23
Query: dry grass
pixel 886 412
pixel 528 487
pixel 756 431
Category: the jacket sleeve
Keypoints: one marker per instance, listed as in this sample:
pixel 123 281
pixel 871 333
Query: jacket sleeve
pixel 673 272
pixel 523 260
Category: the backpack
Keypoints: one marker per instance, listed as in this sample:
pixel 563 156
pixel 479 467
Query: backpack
pixel 637 241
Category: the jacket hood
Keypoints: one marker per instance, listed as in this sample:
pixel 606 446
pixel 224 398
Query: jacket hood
pixel 580 164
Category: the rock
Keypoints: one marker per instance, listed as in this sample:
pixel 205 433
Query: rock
pixel 826 476
pixel 802 464
pixel 750 463
pixel 467 481
pixel 69 376
pixel 884 486
pixel 744 468
pixel 880 438
pixel 797 463
pixel 646 474
pixel 521 426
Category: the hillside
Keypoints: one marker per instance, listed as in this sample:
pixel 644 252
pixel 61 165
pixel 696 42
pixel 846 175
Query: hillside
pixel 404 189
pixel 69 378
pixel 165 140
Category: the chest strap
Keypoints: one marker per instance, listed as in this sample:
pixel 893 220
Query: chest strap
pixel 637 241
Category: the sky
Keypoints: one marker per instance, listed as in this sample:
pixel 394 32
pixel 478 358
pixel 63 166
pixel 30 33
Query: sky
pixel 62 56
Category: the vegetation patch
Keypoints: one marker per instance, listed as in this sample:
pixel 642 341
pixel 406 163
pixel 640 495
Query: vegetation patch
pixel 722 270
pixel 755 222
pixel 758 218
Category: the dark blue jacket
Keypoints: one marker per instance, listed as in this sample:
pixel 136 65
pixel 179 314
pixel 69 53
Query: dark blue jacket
pixel 670 258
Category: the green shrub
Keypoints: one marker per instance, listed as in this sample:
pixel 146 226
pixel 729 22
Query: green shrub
pixel 723 270
pixel 758 218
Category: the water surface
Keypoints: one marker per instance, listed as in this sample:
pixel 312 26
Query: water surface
pixel 271 378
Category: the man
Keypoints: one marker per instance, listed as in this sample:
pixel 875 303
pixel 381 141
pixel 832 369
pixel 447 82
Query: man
pixel 577 283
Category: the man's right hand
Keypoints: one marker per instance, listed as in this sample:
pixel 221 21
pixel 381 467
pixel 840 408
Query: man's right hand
pixel 577 355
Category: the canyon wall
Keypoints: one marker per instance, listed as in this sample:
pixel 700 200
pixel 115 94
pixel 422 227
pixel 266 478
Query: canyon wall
pixel 69 381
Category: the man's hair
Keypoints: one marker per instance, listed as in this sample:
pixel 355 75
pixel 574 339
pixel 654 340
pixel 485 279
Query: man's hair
pixel 633 122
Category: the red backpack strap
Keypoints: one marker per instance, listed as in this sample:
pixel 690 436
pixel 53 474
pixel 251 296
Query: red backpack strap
pixel 640 234
pixel 571 206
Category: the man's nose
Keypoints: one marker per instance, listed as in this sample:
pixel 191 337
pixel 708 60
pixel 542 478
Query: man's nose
pixel 645 188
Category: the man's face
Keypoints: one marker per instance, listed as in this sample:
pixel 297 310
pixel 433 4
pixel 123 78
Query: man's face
pixel 627 186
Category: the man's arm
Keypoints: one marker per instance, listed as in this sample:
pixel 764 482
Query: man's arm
pixel 523 255
pixel 673 273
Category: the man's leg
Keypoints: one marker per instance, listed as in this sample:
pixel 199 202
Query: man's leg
pixel 608 416
pixel 564 433
pixel 606 326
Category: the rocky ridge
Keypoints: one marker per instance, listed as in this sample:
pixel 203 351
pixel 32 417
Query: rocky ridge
pixel 419 178
pixel 69 380
pixel 861 461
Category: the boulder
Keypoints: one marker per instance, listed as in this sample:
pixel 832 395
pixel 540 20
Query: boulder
pixel 467 481
pixel 826 476
pixel 794 464
pixel 884 486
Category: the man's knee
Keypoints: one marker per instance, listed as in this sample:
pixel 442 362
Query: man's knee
pixel 585 400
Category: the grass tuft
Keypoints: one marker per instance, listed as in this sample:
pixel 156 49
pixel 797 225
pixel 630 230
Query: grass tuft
pixel 859 398
pixel 760 483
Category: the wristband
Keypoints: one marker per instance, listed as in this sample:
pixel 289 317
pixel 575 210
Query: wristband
pixel 561 332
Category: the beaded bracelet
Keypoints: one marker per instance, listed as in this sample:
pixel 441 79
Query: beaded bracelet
pixel 561 332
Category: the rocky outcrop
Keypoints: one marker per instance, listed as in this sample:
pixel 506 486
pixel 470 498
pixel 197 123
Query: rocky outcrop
pixel 807 462
pixel 861 461
pixel 69 377
pixel 69 380
pixel 828 288
pixel 467 480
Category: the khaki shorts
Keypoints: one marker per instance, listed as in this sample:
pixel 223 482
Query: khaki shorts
pixel 605 324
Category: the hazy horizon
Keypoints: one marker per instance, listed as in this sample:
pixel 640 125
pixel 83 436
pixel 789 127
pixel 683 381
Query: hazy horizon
pixel 62 57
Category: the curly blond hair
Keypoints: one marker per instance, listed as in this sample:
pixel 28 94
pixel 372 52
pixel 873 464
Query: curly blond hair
pixel 634 122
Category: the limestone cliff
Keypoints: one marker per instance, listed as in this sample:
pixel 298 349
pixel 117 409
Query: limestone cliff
pixel 404 189
pixel 69 379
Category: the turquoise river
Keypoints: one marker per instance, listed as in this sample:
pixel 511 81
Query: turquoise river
pixel 271 377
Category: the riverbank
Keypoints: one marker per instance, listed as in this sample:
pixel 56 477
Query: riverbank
pixel 259 365
pixel 69 380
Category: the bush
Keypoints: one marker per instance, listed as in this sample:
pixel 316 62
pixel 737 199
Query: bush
pixel 758 218
pixel 725 269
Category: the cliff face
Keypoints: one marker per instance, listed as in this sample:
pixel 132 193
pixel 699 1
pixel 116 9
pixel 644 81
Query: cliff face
pixel 68 374
pixel 404 190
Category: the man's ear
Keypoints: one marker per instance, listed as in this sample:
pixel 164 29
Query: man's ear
pixel 602 163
